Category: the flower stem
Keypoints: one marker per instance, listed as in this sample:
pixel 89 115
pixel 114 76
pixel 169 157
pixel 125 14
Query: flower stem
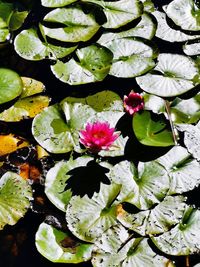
pixel 187 261
pixel 167 108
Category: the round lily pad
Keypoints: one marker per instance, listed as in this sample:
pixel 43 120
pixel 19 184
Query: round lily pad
pixel 56 178
pixel 184 13
pixel 173 75
pixel 78 26
pixel 15 196
pixel 132 57
pixel 88 218
pixel 143 186
pixel 10 85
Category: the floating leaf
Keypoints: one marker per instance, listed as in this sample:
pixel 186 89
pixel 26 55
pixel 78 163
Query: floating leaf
pixel 186 111
pixel 154 103
pixel 192 49
pixel 94 65
pixel 132 57
pixel 192 138
pixel 29 46
pixel 135 252
pixel 17 19
pixel 4 35
pixel 158 220
pixel 78 26
pixel 64 248
pixel 25 108
pixel 173 75
pixel 61 134
pixel 88 218
pixel 184 13
pixel 142 187
pixel 10 143
pixel 31 87
pixel 183 239
pixel 56 3
pixel 56 178
pixel 119 13
pixel 10 84
pixel 182 169
pixel 15 196
pixel 151 132
pixel 165 32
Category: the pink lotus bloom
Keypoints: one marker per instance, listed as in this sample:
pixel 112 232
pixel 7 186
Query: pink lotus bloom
pixel 133 103
pixel 98 136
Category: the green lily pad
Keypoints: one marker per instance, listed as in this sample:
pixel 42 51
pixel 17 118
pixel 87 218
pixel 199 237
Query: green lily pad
pixel 148 6
pixel 6 10
pixel 63 125
pixel 94 65
pixel 17 19
pixel 64 248
pixel 173 75
pixel 158 220
pixel 143 186
pixel 184 13
pixel 145 29
pixel 132 57
pixel 119 13
pixel 55 136
pixel 88 218
pixel 56 181
pixel 15 196
pixel 78 26
pixel 165 32
pixel 184 238
pixel 56 3
pixel 186 111
pixel 112 250
pixel 151 132
pixel 182 169
pixel 29 46
pixel 11 85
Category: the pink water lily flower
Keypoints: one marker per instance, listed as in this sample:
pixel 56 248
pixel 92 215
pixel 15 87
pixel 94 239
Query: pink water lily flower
pixel 98 136
pixel 133 103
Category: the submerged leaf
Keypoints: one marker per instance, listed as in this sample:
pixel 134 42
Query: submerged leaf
pixel 10 143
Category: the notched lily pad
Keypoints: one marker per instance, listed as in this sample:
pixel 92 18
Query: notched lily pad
pixel 143 186
pixel 173 75
pixel 150 131
pixel 131 57
pixel 61 247
pixel 77 25
pixel 29 46
pixel 88 218
pixel 15 196
pixel 183 239
pixel 56 3
pixel 182 169
pixel 94 65
pixel 56 178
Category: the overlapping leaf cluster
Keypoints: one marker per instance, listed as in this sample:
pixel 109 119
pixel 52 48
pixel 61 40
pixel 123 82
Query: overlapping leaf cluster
pixel 117 208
